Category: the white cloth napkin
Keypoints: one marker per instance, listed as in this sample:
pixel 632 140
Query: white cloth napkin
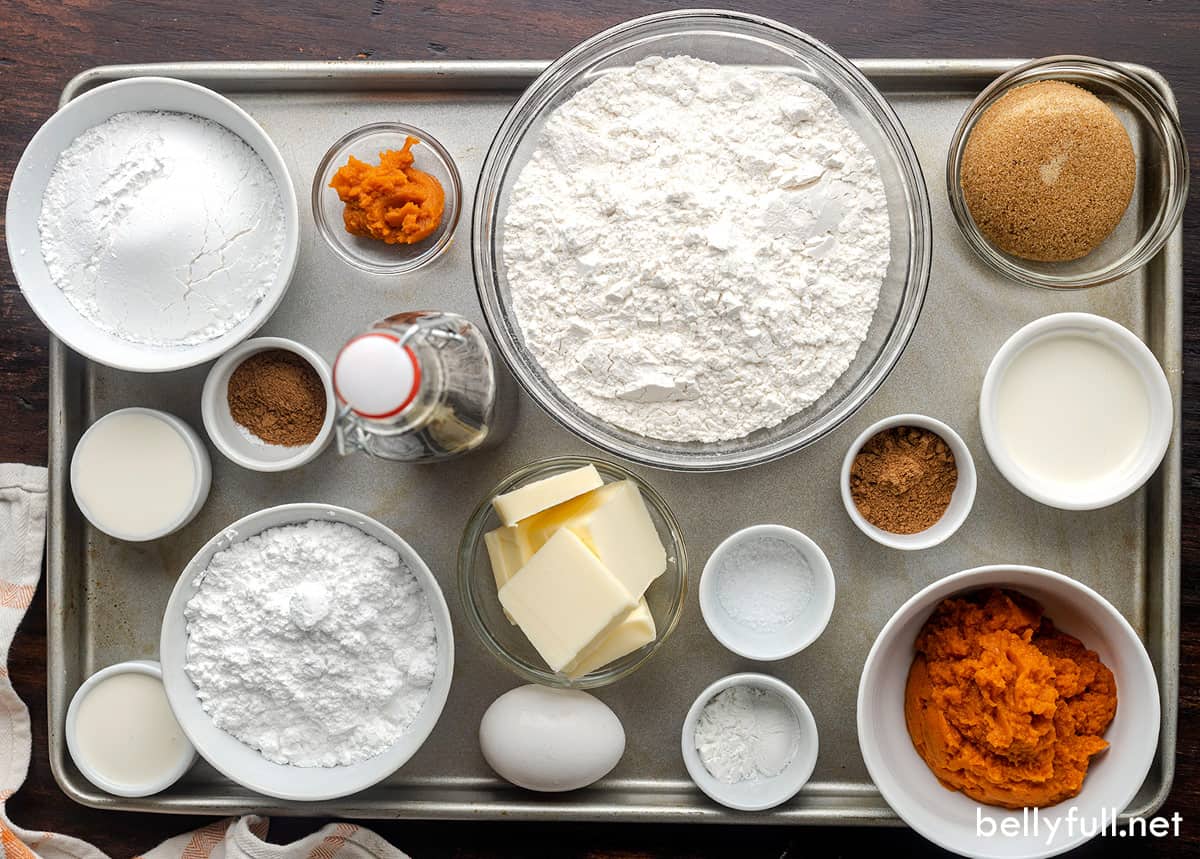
pixel 22 538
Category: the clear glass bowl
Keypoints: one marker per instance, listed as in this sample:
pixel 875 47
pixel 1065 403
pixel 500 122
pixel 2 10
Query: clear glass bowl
pixel 477 585
pixel 727 38
pixel 1162 165
pixel 365 144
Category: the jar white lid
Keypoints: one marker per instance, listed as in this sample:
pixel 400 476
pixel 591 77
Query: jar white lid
pixel 376 375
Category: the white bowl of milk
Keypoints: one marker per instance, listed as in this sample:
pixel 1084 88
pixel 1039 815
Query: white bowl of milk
pixel 1075 411
pixel 122 734
pixel 139 474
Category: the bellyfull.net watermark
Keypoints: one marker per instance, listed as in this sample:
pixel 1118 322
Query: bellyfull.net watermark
pixel 1032 823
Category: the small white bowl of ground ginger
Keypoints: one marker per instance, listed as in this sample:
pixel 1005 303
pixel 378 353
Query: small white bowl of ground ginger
pixel 268 404
pixel 908 482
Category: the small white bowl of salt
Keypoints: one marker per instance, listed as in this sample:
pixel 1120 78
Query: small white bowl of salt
pixel 750 742
pixel 767 592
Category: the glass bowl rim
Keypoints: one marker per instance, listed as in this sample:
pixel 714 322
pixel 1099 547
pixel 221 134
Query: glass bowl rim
pixel 533 103
pixel 1133 88
pixel 453 204
pixel 472 541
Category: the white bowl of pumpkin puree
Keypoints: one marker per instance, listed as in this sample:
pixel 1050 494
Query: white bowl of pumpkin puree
pixel 1008 711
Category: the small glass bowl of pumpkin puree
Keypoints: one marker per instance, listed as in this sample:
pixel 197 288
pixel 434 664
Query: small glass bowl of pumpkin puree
pixel 386 198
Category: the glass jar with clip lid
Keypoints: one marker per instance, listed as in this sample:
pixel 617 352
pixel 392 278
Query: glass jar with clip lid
pixel 420 386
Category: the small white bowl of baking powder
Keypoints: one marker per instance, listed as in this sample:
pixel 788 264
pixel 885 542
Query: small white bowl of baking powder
pixel 767 592
pixel 750 742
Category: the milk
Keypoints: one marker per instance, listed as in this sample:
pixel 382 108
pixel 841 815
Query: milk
pixel 134 475
pixel 126 732
pixel 1070 409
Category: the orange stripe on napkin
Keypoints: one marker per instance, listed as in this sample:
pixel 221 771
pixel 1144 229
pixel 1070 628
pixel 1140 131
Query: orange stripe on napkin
pixel 16 596
pixel 14 847
pixel 331 844
pixel 204 840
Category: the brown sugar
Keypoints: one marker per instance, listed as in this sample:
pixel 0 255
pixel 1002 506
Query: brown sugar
pixel 903 479
pixel 277 396
pixel 1003 706
pixel 1048 171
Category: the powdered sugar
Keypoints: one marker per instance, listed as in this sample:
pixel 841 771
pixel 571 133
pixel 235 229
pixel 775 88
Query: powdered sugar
pixel 313 643
pixel 696 251
pixel 162 228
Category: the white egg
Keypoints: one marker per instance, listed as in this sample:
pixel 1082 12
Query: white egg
pixel 550 739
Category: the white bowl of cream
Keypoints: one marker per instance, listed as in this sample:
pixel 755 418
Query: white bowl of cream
pixel 1075 411
pixel 122 734
pixel 139 474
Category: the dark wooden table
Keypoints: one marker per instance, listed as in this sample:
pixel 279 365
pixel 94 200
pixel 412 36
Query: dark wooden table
pixel 43 43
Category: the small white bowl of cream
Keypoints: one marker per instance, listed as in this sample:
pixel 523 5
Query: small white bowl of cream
pixel 138 474
pixel 122 734
pixel 1076 412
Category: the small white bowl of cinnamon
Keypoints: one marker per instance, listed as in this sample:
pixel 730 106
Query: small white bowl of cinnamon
pixel 268 404
pixel 908 482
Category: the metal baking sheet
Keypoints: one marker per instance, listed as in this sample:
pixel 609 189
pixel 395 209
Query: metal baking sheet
pixel 106 597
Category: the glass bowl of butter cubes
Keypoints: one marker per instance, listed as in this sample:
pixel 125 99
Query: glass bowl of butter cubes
pixel 573 572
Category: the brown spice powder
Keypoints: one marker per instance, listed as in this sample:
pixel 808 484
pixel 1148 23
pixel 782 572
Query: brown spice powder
pixel 903 478
pixel 278 396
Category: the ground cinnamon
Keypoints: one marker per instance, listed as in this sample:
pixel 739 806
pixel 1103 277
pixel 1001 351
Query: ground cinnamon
pixel 277 396
pixel 903 478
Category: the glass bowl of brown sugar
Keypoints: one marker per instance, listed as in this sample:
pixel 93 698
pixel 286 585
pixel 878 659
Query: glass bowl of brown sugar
pixel 268 404
pixel 908 482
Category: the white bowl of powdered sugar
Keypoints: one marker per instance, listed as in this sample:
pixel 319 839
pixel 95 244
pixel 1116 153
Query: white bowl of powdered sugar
pixel 152 224
pixel 307 652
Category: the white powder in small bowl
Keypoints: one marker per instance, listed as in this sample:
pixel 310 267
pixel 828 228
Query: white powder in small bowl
pixel 764 583
pixel 746 734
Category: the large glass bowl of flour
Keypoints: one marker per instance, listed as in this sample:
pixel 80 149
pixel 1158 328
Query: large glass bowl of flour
pixel 672 328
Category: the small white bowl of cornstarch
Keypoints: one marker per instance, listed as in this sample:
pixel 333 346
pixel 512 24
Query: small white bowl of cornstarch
pixel 152 224
pixel 750 742
pixel 307 652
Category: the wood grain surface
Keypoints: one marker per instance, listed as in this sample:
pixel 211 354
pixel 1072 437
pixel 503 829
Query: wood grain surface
pixel 44 43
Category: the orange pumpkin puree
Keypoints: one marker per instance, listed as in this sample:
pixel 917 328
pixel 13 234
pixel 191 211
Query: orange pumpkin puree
pixel 392 201
pixel 1004 707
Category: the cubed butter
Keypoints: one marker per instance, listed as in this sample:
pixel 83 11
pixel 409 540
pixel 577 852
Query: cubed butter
pixel 614 523
pixel 564 599
pixel 634 631
pixel 522 503
pixel 508 550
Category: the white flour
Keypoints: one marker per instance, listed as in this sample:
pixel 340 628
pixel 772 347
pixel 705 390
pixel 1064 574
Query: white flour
pixel 313 643
pixel 162 228
pixel 744 734
pixel 695 251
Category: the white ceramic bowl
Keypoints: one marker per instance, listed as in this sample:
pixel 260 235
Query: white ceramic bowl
pixel 960 502
pixel 246 765
pixel 200 461
pixel 25 203
pixel 1093 495
pixel 948 818
pixel 169 777
pixel 766 793
pixel 776 643
pixel 232 441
